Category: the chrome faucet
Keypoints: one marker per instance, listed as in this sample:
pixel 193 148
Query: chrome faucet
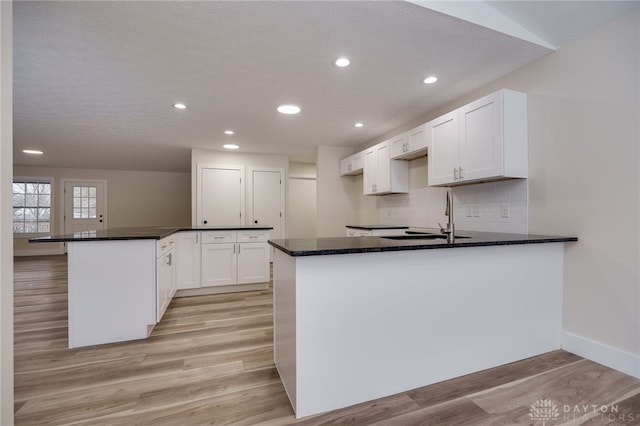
pixel 448 211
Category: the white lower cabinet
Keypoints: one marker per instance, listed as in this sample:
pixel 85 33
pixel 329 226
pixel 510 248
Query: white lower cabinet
pixel 219 264
pixel 165 274
pixel 188 260
pixel 222 258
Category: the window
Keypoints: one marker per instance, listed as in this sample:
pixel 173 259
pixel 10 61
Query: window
pixel 84 202
pixel 31 206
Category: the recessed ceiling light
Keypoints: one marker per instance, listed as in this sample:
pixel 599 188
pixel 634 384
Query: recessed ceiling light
pixel 229 132
pixel 430 80
pixel 179 106
pixel 288 109
pixel 358 125
pixel 342 62
pixel 32 151
pixel 230 146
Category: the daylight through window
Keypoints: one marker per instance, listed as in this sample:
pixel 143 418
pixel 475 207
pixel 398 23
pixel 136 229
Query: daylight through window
pixel 31 207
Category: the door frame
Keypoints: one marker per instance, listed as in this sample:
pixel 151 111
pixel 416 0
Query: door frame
pixel 283 183
pixel 63 201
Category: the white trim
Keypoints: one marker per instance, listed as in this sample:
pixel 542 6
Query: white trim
pixel 615 358
pixel 38 252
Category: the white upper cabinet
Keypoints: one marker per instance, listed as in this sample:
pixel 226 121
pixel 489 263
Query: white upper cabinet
pixel 484 140
pixel 352 165
pixel 409 145
pixel 383 175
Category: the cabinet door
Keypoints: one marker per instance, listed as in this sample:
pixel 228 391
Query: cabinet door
pixel 218 264
pixel 370 170
pixel 220 196
pixel 383 168
pixel 443 139
pixel 399 146
pixel 481 138
pixel 163 283
pixel 253 263
pixel 188 260
pixel 417 141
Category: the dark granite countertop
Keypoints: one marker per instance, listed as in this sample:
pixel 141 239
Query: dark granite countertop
pixel 348 245
pixel 372 227
pixel 138 233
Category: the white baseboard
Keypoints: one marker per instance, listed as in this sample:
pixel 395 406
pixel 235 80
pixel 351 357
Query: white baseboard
pixel 615 358
pixel 221 289
pixel 39 252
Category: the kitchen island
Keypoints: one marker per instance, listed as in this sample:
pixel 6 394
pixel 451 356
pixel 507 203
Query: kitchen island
pixel 357 319
pixel 121 280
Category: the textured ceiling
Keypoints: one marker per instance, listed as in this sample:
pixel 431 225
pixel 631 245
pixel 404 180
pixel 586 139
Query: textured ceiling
pixel 94 82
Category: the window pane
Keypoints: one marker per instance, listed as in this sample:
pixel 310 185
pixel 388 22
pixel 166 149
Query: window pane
pixel 43 227
pixel 30 214
pixel 18 187
pixel 30 227
pixel 44 200
pixel 76 191
pixel 92 191
pixel 31 200
pixel 18 227
pixel 18 215
pixel 44 188
pixel 32 188
pixel 44 214
pixel 92 212
pixel 18 200
pixel 84 191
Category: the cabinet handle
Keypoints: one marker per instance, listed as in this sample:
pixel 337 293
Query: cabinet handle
pixel 238 248
pixel 197 238
pixel 455 174
pixel 218 238
pixel 204 221
pixel 170 259
pixel 234 249
pixel 162 247
pixel 460 174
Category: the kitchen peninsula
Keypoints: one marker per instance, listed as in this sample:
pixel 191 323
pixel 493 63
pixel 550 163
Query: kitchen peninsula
pixel 121 280
pixel 359 318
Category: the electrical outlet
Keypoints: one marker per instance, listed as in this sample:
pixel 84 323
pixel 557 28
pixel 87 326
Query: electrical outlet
pixel 504 211
pixel 469 211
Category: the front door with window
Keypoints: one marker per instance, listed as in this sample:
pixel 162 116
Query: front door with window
pixel 84 206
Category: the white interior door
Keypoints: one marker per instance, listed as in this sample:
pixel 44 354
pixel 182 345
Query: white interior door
pixel 85 206
pixel 267 196
pixel 221 197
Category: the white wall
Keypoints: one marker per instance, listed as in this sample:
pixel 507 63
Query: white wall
pixel 336 203
pixel 6 214
pixel 302 213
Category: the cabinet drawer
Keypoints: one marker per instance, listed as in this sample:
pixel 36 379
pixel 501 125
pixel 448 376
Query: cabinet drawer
pixel 213 237
pixel 165 245
pixel 252 236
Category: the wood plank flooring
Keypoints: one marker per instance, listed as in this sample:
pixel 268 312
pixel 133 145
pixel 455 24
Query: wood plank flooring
pixel 210 362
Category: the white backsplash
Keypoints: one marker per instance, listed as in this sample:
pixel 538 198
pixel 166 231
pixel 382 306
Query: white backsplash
pixel 478 207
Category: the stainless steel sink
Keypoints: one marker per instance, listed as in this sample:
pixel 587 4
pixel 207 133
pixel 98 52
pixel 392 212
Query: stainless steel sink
pixel 421 237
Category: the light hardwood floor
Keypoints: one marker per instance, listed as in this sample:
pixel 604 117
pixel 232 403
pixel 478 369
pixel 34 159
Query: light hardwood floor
pixel 210 362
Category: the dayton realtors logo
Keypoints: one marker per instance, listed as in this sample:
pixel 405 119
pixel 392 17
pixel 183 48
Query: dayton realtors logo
pixel 546 410
pixel 543 410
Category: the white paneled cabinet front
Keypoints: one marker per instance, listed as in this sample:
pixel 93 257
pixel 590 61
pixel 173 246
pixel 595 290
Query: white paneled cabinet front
pixel 188 269
pixel 383 175
pixel 409 145
pixel 236 257
pixel 481 141
pixel 165 274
